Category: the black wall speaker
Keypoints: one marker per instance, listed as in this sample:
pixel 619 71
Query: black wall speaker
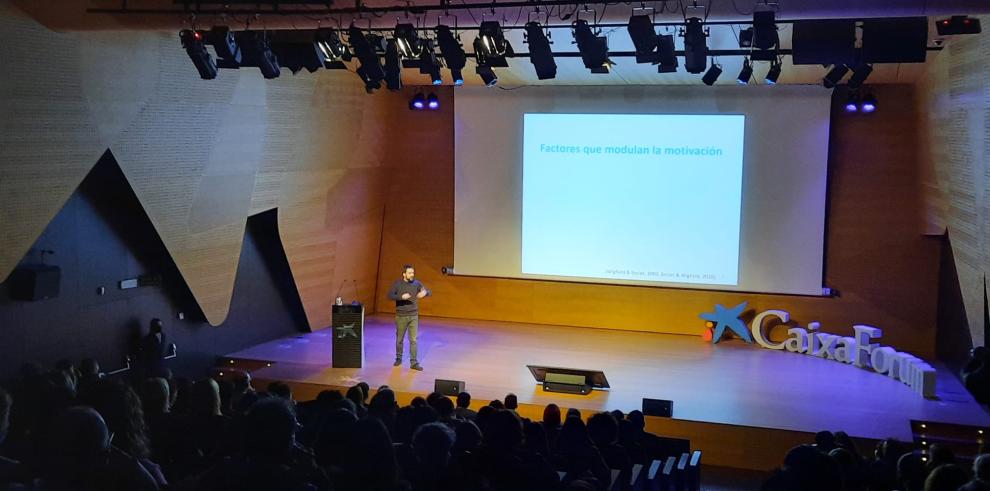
pixel 658 407
pixel 898 40
pixel 824 42
pixel 33 283
pixel 448 387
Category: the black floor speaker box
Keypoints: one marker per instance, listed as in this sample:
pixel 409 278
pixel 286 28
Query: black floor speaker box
pixel 33 283
pixel 658 407
pixel 448 387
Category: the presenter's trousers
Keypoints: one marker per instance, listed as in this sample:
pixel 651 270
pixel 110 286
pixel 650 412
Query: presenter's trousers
pixel 405 323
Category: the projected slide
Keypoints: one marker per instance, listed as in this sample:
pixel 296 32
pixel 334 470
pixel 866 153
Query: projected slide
pixel 633 197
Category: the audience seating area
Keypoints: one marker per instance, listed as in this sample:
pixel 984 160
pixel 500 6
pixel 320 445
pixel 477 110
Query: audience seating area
pixel 71 428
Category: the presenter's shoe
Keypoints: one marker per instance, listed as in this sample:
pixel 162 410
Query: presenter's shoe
pixel 398 361
pixel 417 367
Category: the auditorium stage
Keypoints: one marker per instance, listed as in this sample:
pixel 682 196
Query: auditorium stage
pixel 774 395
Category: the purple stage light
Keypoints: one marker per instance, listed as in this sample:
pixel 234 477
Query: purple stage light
pixel 869 104
pixel 433 102
pixel 418 102
pixel 851 107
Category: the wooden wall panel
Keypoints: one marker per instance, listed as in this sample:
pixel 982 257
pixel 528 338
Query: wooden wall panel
pixel 877 256
pixel 955 120
pixel 201 155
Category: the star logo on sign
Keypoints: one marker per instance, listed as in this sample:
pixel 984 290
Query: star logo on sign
pixel 346 330
pixel 728 319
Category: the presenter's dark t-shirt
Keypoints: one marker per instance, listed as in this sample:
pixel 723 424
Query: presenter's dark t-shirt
pixel 406 307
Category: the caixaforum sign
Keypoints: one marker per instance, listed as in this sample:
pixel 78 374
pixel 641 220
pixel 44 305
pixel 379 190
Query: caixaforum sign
pixel 857 350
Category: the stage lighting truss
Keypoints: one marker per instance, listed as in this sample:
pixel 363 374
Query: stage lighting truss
pixel 407 40
pixel 593 46
pixel 452 51
pixel 644 35
pixel 540 54
pixel 490 47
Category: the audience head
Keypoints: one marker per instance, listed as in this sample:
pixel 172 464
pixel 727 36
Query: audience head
pixel 155 396
pixel 370 458
pixel 241 380
pixel 946 477
pixel 511 402
pixel 356 395
pixel 637 419
pixel 432 443
pixel 78 443
pixel 89 368
pixel 825 441
pixel 573 435
pixel 468 436
pixel 444 407
pixel 575 413
pixel 417 401
pixel 464 400
pixel 366 390
pixel 497 404
pixel 551 415
pixel 981 468
pixel 911 472
pixel 939 455
pixel 280 389
pixel 156 325
pixel 5 405
pixel 270 428
pixel 603 429
pixel 121 409
pixel 327 397
pixel 205 399
pixel 504 431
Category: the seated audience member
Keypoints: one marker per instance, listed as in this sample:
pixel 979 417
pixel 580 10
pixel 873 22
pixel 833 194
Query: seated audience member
pixel 280 389
pixel 604 432
pixel 946 477
pixel 911 472
pixel 577 456
pixel 806 468
pixel 511 402
pixel 981 475
pixel 463 410
pixel 79 456
pixel 269 457
pixel 370 463
pixel 503 462
pixel 121 409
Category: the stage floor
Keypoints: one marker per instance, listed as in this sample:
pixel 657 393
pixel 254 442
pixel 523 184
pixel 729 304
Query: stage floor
pixel 729 383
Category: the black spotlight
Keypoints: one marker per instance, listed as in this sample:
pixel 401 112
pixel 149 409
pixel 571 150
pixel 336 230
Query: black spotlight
pixel 773 74
pixel 712 74
pixel 665 54
pixel 860 74
pixel 264 56
pixel 333 50
pixel 644 38
pixel 407 40
pixel 432 102
pixel 192 41
pixel 593 48
pixel 490 46
pixel 765 30
pixel 487 75
pixel 453 53
pixel 225 44
pixel 834 76
pixel 746 38
pixel 393 65
pixel 746 73
pixel 366 50
pixel 428 62
pixel 418 102
pixel 695 46
pixel 540 54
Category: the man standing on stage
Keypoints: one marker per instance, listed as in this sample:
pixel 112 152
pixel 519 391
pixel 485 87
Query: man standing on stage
pixel 406 292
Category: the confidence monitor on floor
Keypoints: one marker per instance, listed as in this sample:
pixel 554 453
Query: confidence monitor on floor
pixel 569 380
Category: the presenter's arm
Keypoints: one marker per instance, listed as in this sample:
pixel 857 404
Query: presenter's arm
pixel 393 293
pixel 423 291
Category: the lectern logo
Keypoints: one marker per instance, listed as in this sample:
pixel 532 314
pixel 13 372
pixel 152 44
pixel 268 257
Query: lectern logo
pixel 346 330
